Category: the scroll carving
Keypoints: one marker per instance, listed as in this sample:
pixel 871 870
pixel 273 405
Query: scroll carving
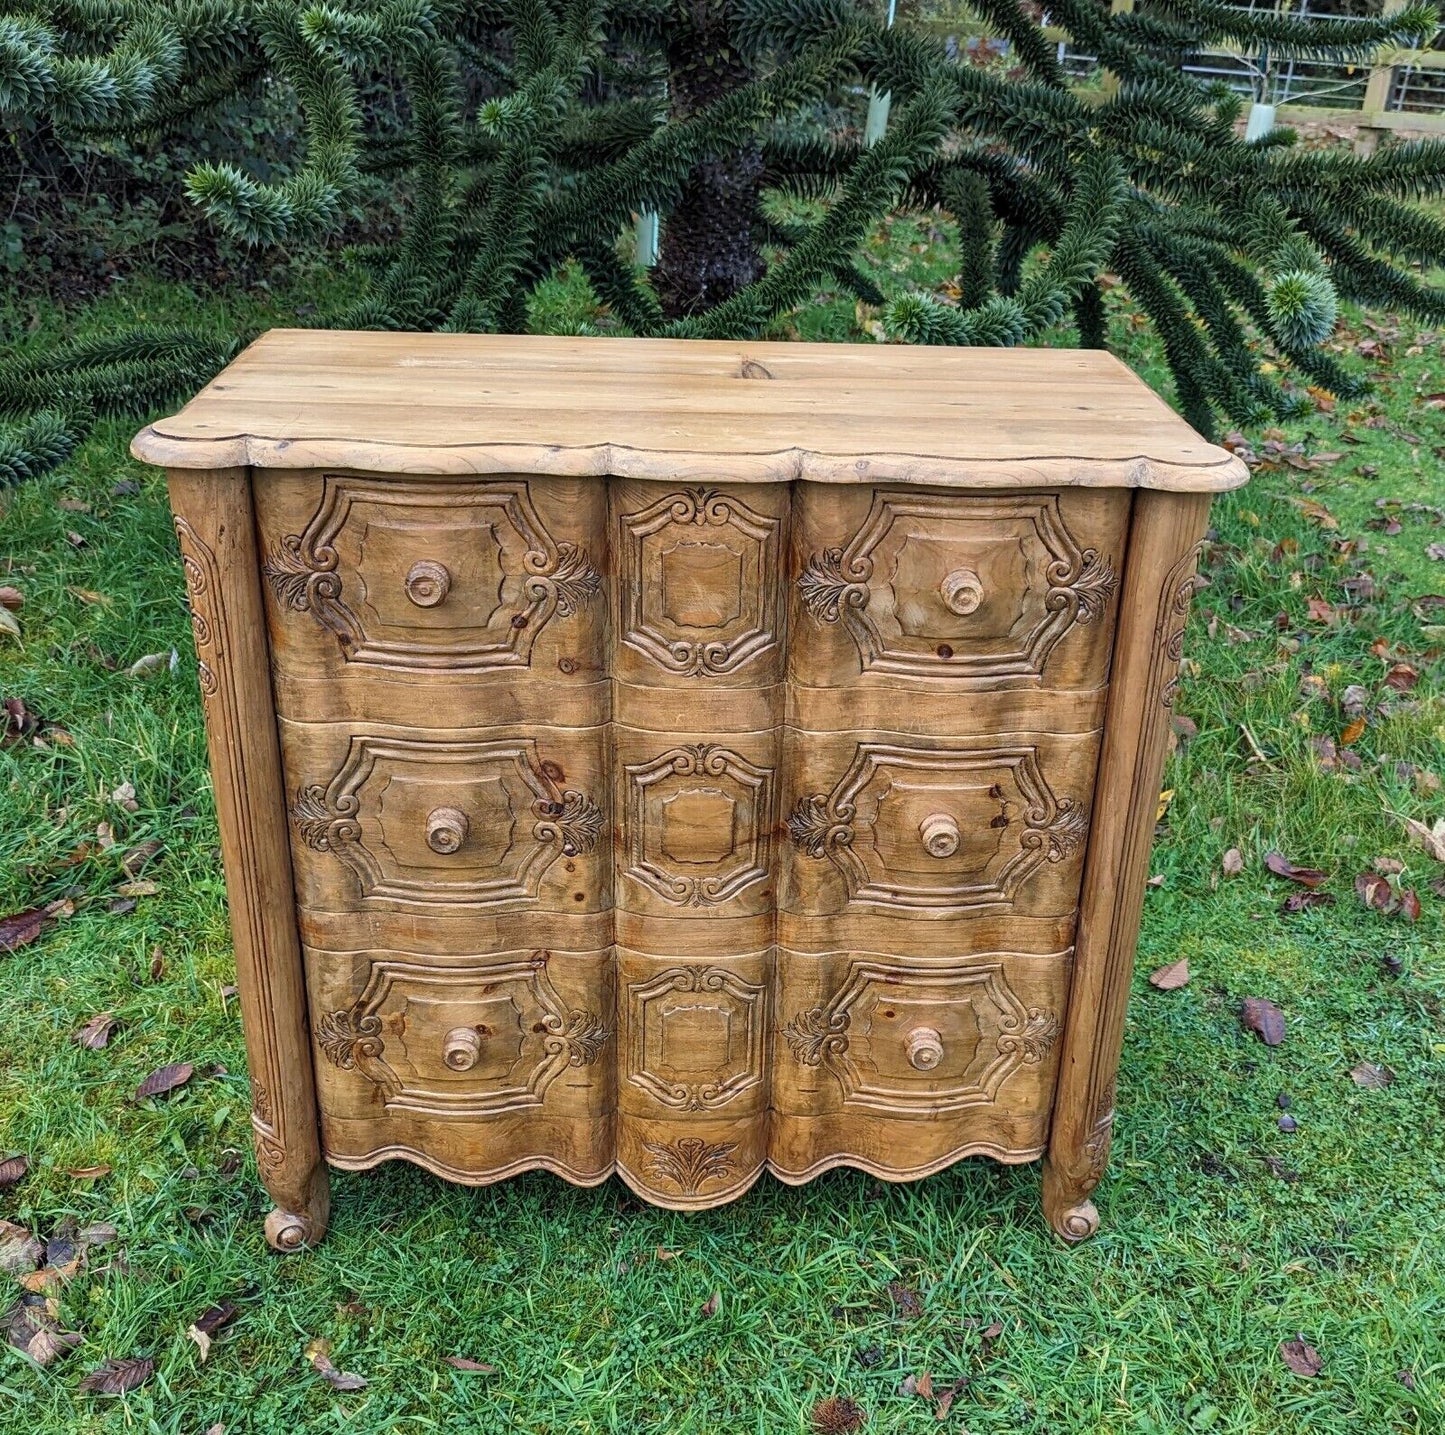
pixel 536 577
pixel 524 1032
pixel 727 550
pixel 1048 829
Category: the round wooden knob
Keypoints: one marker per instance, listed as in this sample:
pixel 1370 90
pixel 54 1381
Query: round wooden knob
pixel 427 583
pixel 446 829
pixel 962 591
pixel 940 834
pixel 925 1048
pixel 461 1048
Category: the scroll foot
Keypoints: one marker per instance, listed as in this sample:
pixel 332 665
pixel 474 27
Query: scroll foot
pixel 1067 1207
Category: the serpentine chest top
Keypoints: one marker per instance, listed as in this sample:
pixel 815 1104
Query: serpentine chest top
pixel 683 760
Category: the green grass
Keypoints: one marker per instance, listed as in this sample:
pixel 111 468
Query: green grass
pixel 1168 1321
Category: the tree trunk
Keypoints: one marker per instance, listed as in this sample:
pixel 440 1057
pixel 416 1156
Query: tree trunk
pixel 708 251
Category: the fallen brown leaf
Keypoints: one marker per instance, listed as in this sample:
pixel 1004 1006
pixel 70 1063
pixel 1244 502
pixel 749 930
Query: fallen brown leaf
pixel 318 1352
pixel 1374 891
pixel 1232 863
pixel 20 1251
pixel 11 597
pixel 151 663
pixel 1353 732
pixel 138 856
pixel 30 1326
pixel 1402 677
pixel 13 1169
pixel 711 1305
pixel 1171 977
pixel 143 888
pixel 948 1396
pixel 1431 839
pixel 89 1173
pixel 96 1033
pixel 1264 1018
pixel 164 1079
pixel 1281 866
pixel 462 1362
pixel 1409 907
pixel 1371 1075
pixel 119 1377
pixel 99 1233
pixel 1303 901
pixel 22 928
pixel 1301 1358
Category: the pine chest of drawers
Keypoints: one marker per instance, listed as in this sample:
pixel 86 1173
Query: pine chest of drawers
pixel 683 760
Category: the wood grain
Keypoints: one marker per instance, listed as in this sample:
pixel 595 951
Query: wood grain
pixel 1159 579
pixel 218 552
pixel 688 412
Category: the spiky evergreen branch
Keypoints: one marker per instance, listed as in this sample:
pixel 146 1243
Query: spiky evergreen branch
pixel 536 129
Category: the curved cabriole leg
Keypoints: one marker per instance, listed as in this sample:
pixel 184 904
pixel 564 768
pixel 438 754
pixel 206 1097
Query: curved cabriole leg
pixel 218 549
pixel 1164 541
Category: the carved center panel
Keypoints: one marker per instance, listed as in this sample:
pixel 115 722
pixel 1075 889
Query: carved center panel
pixel 461 1040
pixel 695 1037
pixel 942 826
pixel 701 582
pixel 441 822
pixel 430 575
pixel 967 585
pixel 698 823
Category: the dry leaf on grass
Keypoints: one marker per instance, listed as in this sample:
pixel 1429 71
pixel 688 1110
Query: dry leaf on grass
pixel 1371 1075
pixel 11 597
pixel 13 1169
pixel 462 1362
pixel 164 1079
pixel 1281 866
pixel 89 1173
pixel 119 1377
pixel 1263 1018
pixel 1430 839
pixel 319 1354
pixel 1301 1358
pixel 1171 977
pixel 96 1033
pixel 1232 863
pixel 30 1326
pixel 22 928
pixel 711 1305
pixel 20 1251
pixel 947 1396
pixel 1303 901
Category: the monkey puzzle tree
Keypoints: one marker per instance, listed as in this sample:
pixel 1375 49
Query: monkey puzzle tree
pixel 527 134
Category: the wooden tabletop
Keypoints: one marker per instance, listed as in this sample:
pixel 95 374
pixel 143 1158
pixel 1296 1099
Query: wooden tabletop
pixel 692 410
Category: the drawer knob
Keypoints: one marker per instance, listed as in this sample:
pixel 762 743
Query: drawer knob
pixel 925 1048
pixel 962 591
pixel 940 834
pixel 427 583
pixel 461 1048
pixel 446 829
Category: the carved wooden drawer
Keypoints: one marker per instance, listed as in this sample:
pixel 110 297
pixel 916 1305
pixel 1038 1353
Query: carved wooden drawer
pixel 705 761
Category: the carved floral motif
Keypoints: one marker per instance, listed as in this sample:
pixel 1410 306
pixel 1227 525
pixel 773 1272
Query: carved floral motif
pixel 689 1163
pixel 816 1034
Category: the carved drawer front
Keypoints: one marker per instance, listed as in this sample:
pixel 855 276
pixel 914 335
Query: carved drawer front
pixel 970 590
pixel 475 1066
pixel 903 1065
pixel 428 580
pixel 456 820
pixel 892 825
pixel 694 1058
pixel 696 818
pixel 701 584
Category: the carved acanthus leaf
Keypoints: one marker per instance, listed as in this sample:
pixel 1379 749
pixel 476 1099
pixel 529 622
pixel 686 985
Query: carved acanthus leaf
pixel 689 1162
pixel 1090 592
pixel 824 589
pixel 346 1035
pixel 321 826
pixel 816 1034
pixel 575 822
pixel 581 1037
pixel 815 827
pixel 1036 1040
pixel 1063 835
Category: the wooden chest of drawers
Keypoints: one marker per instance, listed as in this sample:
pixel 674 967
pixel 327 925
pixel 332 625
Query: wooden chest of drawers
pixel 683 760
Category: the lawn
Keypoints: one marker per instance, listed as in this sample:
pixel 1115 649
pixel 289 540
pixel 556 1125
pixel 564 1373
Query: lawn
pixel 1311 724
